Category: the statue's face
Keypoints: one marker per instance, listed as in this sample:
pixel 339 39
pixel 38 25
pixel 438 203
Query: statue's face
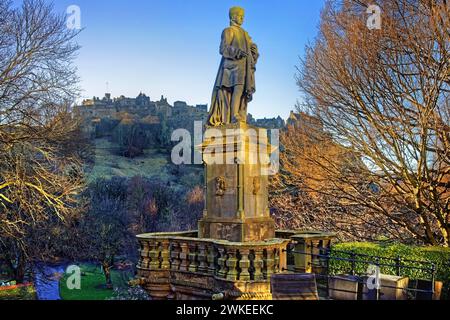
pixel 238 18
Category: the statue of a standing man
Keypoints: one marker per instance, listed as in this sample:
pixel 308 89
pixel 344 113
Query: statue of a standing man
pixel 235 83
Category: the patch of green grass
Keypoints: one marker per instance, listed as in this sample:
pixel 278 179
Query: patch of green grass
pixel 92 284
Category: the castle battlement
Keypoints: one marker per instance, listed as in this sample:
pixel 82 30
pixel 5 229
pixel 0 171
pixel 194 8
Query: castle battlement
pixel 141 106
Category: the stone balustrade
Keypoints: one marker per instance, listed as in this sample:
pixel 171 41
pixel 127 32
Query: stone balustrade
pixel 221 259
pixel 179 265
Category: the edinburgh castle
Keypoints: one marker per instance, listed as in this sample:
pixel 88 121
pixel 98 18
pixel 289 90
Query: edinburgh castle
pixel 152 113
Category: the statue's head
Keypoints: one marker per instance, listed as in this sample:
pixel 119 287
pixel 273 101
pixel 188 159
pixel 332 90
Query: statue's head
pixel 237 15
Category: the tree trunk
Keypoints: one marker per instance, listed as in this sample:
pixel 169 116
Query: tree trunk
pixel 446 233
pixel 19 270
pixel 106 265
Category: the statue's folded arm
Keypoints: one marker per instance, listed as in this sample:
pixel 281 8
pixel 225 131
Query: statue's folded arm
pixel 226 49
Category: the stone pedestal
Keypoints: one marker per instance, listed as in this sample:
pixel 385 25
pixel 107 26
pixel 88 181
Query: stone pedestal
pixel 294 287
pixel 391 288
pixel 310 250
pixel 344 287
pixel 237 161
pixel 236 251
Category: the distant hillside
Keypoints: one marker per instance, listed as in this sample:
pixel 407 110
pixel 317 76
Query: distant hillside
pixel 132 137
pixel 154 163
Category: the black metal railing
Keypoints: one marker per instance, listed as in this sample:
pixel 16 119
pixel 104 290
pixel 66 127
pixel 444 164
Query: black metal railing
pixel 395 266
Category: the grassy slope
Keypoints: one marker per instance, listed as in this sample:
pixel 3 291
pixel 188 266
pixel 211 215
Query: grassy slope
pixel 154 164
pixel 108 164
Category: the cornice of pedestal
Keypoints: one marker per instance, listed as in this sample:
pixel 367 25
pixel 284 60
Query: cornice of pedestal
pixel 239 137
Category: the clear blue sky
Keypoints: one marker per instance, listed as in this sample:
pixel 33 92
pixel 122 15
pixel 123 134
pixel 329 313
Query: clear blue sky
pixel 170 47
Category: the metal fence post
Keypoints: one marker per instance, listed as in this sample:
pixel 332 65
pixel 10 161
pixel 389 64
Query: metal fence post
pixel 398 265
pixel 377 288
pixel 353 262
pixel 433 277
pixel 327 267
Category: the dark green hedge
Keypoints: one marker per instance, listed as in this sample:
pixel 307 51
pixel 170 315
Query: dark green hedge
pixel 437 255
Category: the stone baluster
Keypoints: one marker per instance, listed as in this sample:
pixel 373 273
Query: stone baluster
pixel 202 258
pixel 193 263
pixel 276 258
pixel 175 256
pixel 268 264
pixel 244 265
pixel 184 256
pixel 154 255
pixel 211 258
pixel 232 264
pixel 165 254
pixel 258 264
pixel 315 259
pixel 327 244
pixel 144 259
pixel 221 261
pixel 318 261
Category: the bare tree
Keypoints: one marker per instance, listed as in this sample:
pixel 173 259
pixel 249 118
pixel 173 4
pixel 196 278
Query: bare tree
pixel 40 167
pixel 384 95
pixel 302 194
pixel 105 231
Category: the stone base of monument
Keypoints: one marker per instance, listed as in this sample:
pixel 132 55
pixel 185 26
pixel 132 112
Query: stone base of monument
pixel 237 167
pixel 181 266
pixel 236 249
pixel 176 266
